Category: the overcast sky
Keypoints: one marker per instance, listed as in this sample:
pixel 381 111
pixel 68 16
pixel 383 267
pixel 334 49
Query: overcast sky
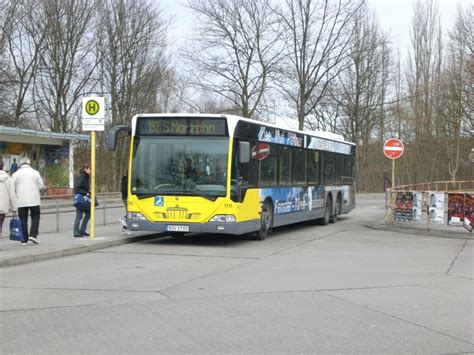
pixel 394 15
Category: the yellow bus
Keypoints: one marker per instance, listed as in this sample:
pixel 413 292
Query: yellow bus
pixel 224 174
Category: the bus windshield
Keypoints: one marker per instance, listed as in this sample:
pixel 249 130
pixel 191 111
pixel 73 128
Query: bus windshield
pixel 179 166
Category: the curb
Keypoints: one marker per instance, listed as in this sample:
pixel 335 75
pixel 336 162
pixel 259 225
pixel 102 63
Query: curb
pixel 432 233
pixel 52 254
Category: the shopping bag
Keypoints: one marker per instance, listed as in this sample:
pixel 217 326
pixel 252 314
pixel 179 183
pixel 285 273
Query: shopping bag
pixel 16 231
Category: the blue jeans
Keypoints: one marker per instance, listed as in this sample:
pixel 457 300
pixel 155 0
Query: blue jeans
pixel 80 228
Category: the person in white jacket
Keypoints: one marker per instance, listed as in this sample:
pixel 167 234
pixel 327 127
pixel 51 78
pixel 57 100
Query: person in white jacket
pixel 26 187
pixel 5 195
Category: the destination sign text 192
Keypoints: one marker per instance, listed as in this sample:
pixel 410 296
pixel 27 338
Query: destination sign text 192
pixel 181 126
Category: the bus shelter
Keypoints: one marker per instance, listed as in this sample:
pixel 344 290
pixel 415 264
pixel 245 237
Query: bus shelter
pixel 51 153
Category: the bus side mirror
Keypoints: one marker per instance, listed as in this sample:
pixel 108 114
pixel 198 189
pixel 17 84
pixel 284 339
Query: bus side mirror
pixel 113 135
pixel 244 152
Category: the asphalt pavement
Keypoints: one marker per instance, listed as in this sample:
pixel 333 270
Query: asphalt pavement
pixel 342 288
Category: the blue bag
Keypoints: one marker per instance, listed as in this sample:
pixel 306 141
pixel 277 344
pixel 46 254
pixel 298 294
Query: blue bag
pixel 79 201
pixel 83 202
pixel 16 231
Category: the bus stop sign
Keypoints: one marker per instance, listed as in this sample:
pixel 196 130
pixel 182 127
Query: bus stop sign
pixel 393 148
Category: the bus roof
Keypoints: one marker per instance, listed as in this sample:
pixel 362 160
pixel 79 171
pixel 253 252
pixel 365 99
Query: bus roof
pixel 233 119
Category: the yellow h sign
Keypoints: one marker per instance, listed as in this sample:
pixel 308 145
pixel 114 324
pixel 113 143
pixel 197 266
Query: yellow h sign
pixel 92 107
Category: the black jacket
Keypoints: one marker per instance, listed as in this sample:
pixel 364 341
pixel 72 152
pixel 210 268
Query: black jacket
pixel 82 184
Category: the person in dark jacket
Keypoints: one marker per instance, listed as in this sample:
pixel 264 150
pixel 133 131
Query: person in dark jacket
pixel 82 186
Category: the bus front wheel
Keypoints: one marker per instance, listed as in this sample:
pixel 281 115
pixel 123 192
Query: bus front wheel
pixel 266 221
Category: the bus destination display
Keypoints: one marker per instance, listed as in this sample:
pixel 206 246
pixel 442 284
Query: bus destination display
pixel 181 126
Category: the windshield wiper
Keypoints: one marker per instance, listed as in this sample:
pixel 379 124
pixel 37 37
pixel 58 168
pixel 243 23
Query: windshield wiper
pixel 200 194
pixel 142 196
pixel 194 193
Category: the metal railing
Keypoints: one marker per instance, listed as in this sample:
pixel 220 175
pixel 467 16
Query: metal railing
pixel 447 186
pixel 60 204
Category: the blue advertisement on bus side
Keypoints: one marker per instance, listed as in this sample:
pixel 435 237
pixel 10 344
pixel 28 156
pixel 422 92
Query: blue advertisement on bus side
pixel 294 199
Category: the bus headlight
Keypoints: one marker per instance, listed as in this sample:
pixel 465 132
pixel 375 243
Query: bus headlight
pixel 136 215
pixel 223 218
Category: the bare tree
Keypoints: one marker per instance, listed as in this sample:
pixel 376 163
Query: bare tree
pixel 455 109
pixel 235 52
pixel 6 116
pixel 22 35
pixel 67 62
pixel 317 37
pixel 131 51
pixel 461 47
pixel 360 92
pixel 424 63
pixel 132 66
pixel 424 70
pixel 361 89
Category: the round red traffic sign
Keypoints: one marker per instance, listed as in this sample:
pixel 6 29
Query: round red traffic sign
pixel 260 151
pixel 393 148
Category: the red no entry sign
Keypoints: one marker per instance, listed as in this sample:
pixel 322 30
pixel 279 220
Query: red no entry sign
pixel 260 151
pixel 393 148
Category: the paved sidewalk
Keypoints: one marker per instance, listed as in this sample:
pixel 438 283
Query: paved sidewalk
pixel 55 245
pixel 435 230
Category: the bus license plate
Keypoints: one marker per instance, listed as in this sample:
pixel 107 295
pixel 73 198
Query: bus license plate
pixel 171 228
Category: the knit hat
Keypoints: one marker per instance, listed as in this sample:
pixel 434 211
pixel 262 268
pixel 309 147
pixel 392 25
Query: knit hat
pixel 24 160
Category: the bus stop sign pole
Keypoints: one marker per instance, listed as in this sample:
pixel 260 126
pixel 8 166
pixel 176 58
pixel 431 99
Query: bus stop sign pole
pixel 93 120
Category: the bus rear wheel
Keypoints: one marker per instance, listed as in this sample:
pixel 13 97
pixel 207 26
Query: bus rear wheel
pixel 337 210
pixel 327 214
pixel 266 221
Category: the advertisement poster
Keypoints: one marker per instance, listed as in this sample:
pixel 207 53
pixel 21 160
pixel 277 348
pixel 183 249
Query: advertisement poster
pixel 417 205
pixel 469 212
pixel 455 209
pixel 295 199
pixel 403 207
pixel 436 207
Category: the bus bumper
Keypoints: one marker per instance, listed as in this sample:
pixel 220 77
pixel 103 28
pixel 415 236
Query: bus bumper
pixel 209 227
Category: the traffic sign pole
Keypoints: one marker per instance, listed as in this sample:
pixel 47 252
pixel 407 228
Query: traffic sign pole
pixel 393 173
pixel 92 185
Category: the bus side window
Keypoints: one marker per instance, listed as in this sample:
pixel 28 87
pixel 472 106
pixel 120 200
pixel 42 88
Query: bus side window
pixel 284 165
pixel 299 166
pixel 313 167
pixel 339 170
pixel 268 168
pixel 244 172
pixel 329 168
